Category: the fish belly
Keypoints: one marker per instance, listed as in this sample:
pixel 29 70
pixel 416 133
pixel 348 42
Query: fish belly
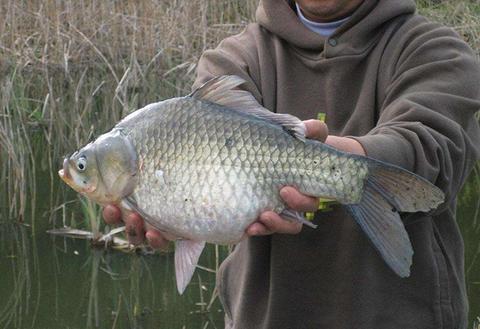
pixel 208 203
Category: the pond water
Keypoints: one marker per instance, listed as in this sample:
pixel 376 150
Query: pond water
pixel 52 283
pixel 55 282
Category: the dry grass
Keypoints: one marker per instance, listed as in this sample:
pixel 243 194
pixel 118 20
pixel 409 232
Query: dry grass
pixel 49 32
pixel 463 16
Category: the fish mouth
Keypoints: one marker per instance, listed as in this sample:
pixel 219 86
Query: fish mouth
pixel 64 173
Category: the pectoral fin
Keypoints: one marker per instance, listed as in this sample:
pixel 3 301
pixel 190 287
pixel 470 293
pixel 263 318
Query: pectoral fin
pixel 187 253
pixel 296 216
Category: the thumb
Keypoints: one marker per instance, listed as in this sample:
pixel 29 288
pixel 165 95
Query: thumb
pixel 316 129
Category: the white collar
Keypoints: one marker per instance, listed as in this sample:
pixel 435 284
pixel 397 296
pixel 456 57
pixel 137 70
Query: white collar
pixel 324 29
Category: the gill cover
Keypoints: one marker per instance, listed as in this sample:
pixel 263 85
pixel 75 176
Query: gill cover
pixel 117 164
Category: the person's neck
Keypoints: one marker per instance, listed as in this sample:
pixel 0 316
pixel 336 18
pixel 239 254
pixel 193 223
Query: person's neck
pixel 326 17
pixel 325 29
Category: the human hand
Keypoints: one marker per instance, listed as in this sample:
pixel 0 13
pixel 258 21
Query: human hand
pixel 270 222
pixel 137 230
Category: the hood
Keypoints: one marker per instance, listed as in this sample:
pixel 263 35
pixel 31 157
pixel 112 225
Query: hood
pixel 364 26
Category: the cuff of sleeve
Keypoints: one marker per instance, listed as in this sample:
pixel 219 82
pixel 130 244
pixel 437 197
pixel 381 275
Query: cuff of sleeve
pixel 388 148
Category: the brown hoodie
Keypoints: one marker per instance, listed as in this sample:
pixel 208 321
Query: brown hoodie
pixel 407 90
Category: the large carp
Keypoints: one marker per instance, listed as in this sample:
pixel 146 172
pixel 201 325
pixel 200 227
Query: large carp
pixel 203 167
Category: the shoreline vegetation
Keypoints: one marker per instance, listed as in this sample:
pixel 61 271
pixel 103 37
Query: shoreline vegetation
pixel 69 70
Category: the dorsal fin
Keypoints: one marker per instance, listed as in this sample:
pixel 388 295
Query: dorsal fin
pixel 221 90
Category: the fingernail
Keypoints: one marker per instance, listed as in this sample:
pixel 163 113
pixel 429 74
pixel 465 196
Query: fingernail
pixel 155 241
pixel 111 214
pixel 264 216
pixel 268 219
pixel 284 193
pixel 251 230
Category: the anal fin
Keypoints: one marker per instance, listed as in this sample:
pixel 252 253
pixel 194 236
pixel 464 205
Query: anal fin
pixel 382 224
pixel 187 253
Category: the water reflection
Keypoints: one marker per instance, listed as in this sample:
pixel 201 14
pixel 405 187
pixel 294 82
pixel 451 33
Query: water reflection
pixel 19 290
pixel 64 283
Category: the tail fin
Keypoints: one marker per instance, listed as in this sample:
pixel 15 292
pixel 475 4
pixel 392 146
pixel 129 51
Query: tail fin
pixel 404 190
pixel 390 189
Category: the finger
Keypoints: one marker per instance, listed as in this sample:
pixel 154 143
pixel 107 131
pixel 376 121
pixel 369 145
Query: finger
pixel 165 235
pixel 257 229
pixel 156 240
pixel 134 228
pixel 298 201
pixel 112 214
pixel 346 144
pixel 275 223
pixel 316 129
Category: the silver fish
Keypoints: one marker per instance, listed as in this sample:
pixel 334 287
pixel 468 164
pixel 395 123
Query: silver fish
pixel 203 167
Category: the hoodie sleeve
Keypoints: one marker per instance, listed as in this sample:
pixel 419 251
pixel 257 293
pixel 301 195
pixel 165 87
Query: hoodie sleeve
pixel 427 122
pixel 235 55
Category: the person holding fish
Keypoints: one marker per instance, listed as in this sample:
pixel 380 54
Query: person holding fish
pixel 394 87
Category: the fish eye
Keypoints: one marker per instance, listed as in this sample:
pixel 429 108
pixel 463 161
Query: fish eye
pixel 82 164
